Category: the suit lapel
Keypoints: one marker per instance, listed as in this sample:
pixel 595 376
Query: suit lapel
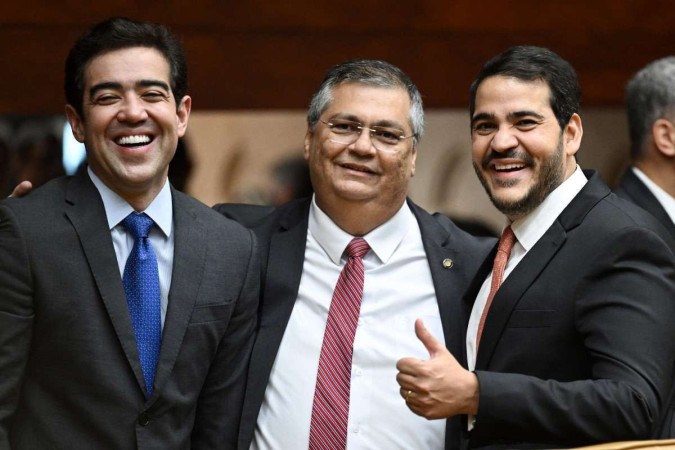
pixel 535 261
pixel 84 209
pixel 188 256
pixel 284 269
pixel 447 273
pixel 514 287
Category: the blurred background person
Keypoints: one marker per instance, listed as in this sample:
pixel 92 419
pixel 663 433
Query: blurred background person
pixel 290 180
pixel 650 107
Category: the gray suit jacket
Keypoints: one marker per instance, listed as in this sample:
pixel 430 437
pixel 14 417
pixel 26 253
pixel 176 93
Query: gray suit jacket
pixel 71 376
pixel 282 234
pixel 578 346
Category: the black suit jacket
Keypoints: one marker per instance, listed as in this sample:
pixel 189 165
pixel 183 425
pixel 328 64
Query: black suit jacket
pixel 633 189
pixel 579 344
pixel 282 234
pixel 71 376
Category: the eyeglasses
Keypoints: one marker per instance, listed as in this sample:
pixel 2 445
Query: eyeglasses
pixel 385 139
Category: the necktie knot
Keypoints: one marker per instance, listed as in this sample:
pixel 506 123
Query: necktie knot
pixel 506 242
pixel 357 248
pixel 138 225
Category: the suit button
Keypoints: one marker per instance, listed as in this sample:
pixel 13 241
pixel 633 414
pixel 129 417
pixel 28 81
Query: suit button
pixel 144 419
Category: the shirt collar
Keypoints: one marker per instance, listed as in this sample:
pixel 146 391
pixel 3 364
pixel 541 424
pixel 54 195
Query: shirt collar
pixel 531 228
pixel 383 240
pixel 116 208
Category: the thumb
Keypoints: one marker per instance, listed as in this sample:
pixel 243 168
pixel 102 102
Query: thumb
pixel 433 345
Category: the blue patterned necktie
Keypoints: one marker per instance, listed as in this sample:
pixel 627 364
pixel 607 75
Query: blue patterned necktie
pixel 141 286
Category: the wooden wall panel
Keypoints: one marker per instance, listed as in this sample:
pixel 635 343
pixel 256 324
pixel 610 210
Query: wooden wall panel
pixel 259 54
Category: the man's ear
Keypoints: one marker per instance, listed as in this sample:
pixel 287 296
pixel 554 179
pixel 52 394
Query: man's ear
pixel 76 123
pixel 663 134
pixel 308 143
pixel 572 135
pixel 183 113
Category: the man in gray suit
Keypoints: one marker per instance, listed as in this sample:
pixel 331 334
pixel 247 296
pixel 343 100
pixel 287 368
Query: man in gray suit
pixel 87 361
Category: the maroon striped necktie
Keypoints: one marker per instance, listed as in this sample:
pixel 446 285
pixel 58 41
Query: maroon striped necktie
pixel 330 411
pixel 501 258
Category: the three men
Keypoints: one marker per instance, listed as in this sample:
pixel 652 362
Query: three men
pixel 577 345
pixel 113 335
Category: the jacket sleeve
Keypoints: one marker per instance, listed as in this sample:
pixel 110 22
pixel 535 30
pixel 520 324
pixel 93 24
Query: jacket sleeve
pixel 16 317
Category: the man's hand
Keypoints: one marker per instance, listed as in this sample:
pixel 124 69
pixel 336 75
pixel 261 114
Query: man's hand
pixel 438 387
pixel 22 189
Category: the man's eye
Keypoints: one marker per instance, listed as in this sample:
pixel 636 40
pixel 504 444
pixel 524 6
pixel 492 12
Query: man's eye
pixel 154 96
pixel 389 136
pixel 106 99
pixel 483 127
pixel 526 123
pixel 345 127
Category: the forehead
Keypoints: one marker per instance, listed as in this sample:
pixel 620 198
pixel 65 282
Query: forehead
pixel 503 95
pixel 370 103
pixel 127 65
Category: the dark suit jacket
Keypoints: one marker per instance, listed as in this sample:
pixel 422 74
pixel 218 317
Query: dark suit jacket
pixel 633 189
pixel 579 344
pixel 282 235
pixel 71 376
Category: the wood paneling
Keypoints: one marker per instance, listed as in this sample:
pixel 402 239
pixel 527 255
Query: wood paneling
pixel 261 54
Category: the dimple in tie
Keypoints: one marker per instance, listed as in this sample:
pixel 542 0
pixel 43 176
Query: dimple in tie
pixel 330 411
pixel 503 252
pixel 141 286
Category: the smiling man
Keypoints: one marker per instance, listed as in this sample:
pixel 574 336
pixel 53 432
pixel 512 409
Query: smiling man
pixel 569 334
pixel 347 272
pixel 127 309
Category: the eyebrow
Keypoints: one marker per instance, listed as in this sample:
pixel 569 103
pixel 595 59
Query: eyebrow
pixel 116 85
pixel 526 113
pixel 482 116
pixel 510 116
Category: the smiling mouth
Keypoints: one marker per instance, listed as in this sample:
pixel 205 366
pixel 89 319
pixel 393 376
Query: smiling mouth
pixel 357 168
pixel 508 167
pixel 134 141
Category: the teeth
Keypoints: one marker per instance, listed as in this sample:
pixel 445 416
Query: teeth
pixel 130 140
pixel 508 166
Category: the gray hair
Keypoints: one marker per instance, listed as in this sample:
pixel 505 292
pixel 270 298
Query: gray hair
pixel 650 95
pixel 371 73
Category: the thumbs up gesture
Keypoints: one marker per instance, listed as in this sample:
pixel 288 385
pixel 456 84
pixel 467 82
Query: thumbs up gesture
pixel 438 387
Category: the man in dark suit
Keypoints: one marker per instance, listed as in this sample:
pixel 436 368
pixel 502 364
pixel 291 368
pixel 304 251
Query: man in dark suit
pixel 577 345
pixel 95 353
pixel 364 124
pixel 650 107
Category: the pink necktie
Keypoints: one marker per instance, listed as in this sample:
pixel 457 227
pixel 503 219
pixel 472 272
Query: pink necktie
pixel 330 411
pixel 503 252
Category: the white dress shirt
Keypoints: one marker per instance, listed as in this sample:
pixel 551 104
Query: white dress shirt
pixel 665 199
pixel 397 290
pixel 161 236
pixel 528 231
